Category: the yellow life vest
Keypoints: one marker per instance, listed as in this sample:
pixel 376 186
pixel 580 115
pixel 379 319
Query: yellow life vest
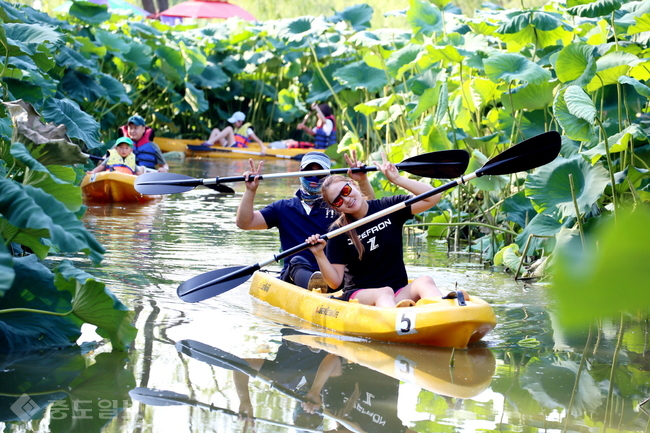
pixel 116 163
pixel 241 135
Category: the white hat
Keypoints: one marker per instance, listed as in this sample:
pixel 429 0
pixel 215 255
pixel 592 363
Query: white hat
pixel 236 116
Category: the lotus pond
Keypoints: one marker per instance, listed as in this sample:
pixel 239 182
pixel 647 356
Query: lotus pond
pixel 527 375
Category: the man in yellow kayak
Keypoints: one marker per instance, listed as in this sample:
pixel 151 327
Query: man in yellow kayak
pixel 238 135
pixel 298 217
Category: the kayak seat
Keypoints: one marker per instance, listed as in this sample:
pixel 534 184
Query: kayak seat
pixel 461 295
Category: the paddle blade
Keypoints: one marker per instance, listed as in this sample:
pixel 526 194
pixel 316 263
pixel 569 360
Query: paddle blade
pixel 445 164
pixel 221 188
pixel 214 283
pixel 214 356
pixel 154 397
pixel 529 154
pixel 155 183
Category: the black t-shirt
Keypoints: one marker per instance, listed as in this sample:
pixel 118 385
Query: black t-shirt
pixel 382 263
pixel 374 399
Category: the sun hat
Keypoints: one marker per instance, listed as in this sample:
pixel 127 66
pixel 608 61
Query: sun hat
pixel 126 140
pixel 237 116
pixel 136 120
pixel 316 157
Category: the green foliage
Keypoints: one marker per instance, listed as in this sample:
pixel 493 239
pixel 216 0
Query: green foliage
pixel 614 260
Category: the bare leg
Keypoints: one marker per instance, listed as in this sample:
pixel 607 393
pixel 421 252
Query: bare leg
pixel 381 297
pixel 224 138
pixel 422 287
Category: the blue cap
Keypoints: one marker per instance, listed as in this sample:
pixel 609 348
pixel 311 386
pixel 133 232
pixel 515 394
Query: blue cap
pixel 316 157
pixel 136 120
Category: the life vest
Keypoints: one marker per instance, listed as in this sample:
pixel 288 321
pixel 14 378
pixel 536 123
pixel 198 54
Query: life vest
pixel 145 153
pixel 322 140
pixel 241 136
pixel 115 162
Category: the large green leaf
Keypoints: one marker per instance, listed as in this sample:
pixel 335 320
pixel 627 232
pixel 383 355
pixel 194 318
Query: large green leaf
pixel 574 127
pixel 30 238
pixel 579 104
pixel 530 96
pixel 196 98
pixel 358 16
pixel 641 88
pixel 540 225
pixel 485 183
pixel 549 187
pixel 403 60
pixel 642 24
pixel 24 38
pixel 359 75
pixel 618 142
pixel 616 258
pixel 375 105
pixel 424 17
pixel 114 90
pixel 7 273
pixel 518 209
pixel 78 123
pixel 512 66
pixel 33 288
pixel 595 9
pixel 29 207
pixel 319 88
pixel 172 63
pixel 95 304
pixel 89 12
pixel 80 86
pixel 610 68
pixel 576 64
pixel 70 58
pixel 212 77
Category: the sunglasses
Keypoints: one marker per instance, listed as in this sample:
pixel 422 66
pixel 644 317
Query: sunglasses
pixel 345 191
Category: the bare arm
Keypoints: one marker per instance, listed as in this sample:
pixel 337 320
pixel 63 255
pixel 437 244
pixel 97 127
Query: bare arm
pixel 247 217
pixel 255 138
pixel 411 185
pixel 330 366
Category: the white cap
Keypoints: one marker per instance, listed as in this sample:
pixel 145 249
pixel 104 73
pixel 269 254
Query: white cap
pixel 316 157
pixel 236 116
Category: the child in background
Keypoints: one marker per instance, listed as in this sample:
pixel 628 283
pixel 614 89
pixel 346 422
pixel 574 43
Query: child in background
pixel 120 158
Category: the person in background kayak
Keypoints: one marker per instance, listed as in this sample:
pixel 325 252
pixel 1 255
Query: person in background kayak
pixel 238 135
pixel 297 217
pixel 324 132
pixel 147 153
pixel 370 256
pixel 120 158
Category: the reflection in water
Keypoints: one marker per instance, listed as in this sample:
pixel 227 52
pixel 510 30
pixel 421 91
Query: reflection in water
pixel 544 379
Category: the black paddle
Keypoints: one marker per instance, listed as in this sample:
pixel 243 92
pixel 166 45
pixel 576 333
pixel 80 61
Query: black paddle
pixel 528 154
pixel 220 358
pixel 155 397
pixel 194 148
pixel 446 164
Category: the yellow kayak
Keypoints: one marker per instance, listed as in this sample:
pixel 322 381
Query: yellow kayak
pixel 441 322
pixel 193 148
pixel 112 186
pixel 429 368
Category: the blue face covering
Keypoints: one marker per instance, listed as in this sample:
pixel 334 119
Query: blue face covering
pixel 310 193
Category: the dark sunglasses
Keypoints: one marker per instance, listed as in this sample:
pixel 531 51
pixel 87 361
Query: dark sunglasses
pixel 345 191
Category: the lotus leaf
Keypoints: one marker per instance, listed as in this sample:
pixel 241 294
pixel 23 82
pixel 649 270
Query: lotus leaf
pixel 610 68
pixel 89 12
pixel 359 75
pixel 595 9
pixel 424 17
pixel 113 90
pixel 404 60
pixel 358 16
pixel 79 124
pixel 485 183
pixel 81 87
pixel 23 38
pixel 642 24
pixel 512 66
pixel 549 187
pixel 575 127
pixel 576 64
pixel 508 257
pixel 641 88
pixel 518 209
pixel 28 207
pixel 94 304
pixel 615 258
pixel 540 225
pixel 69 58
pixel 530 96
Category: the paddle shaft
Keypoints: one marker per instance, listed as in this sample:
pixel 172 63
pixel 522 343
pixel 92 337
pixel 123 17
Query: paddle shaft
pixel 245 152
pixel 146 395
pixel 217 180
pixel 291 251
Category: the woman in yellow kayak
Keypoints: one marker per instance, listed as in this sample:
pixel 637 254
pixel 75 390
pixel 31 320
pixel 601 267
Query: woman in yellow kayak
pixel 372 253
